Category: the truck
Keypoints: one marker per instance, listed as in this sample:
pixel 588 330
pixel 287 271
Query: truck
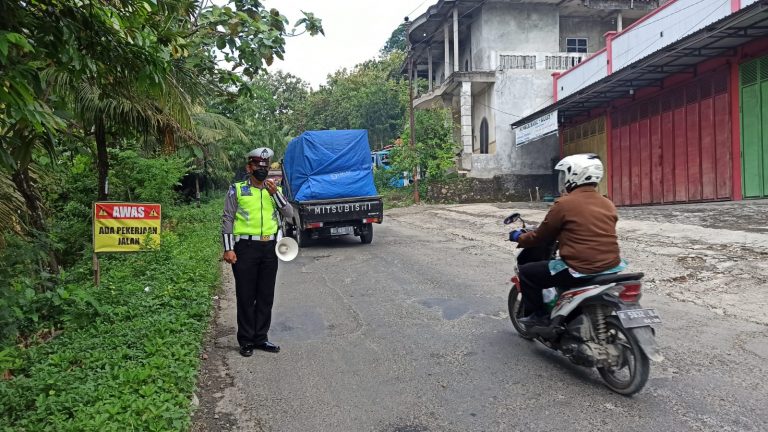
pixel 328 179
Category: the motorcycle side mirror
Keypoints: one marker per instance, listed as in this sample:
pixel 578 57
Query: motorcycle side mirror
pixel 514 217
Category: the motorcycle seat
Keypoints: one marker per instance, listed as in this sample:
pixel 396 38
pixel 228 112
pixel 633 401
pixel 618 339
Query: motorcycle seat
pixel 609 279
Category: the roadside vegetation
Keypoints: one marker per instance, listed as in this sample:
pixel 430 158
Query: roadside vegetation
pixel 128 351
pixel 124 100
pixel 129 100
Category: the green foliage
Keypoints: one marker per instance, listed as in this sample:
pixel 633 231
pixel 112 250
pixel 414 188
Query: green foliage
pixel 20 282
pixel 371 96
pixel 397 41
pixel 435 150
pixel 133 365
pixel 139 179
pixel 288 94
pixel 123 69
pixel 134 89
pixel 248 35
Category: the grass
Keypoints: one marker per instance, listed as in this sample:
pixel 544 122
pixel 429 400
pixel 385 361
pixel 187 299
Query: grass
pixel 401 197
pixel 134 365
pixel 394 198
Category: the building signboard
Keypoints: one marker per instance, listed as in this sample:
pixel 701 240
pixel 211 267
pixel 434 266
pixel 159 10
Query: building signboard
pixel 536 129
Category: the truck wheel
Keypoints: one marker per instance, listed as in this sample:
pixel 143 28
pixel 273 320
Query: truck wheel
pixel 366 234
pixel 302 237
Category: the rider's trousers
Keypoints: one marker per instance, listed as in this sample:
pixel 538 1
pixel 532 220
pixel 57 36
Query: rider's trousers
pixel 535 277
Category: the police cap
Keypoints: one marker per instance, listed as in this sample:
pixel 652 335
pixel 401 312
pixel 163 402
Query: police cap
pixel 260 156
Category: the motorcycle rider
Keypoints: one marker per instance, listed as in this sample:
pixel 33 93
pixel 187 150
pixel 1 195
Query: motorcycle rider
pixel 584 223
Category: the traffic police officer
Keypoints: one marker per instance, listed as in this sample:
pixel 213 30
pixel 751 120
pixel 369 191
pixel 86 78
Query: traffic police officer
pixel 249 226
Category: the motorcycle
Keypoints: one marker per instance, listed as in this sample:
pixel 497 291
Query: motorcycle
pixel 598 323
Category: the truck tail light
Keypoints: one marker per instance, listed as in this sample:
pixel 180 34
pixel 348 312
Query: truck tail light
pixel 314 225
pixel 371 220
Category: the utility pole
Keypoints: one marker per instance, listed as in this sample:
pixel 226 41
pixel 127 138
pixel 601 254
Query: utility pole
pixel 412 140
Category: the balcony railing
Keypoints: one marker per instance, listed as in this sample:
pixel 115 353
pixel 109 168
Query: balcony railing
pixel 542 61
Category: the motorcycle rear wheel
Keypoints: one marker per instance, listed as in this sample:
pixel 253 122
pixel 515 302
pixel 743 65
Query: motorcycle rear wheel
pixel 516 311
pixel 633 360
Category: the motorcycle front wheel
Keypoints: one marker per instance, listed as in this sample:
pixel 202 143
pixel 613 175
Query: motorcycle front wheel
pixel 631 374
pixel 517 311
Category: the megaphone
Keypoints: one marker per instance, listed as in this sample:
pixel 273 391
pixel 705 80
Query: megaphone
pixel 287 249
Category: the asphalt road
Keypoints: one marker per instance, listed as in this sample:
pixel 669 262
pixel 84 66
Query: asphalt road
pixel 411 333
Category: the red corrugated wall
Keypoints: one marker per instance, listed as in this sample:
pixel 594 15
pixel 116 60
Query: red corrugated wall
pixel 674 147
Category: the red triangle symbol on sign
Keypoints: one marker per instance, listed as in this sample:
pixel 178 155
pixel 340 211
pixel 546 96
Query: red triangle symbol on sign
pixel 153 213
pixel 102 212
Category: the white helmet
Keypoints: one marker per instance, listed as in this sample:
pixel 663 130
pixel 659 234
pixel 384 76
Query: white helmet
pixel 578 170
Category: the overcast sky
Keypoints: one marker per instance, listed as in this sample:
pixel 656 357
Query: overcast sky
pixel 355 31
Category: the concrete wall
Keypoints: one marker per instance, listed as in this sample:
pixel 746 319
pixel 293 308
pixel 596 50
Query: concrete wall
pixel 480 54
pixel 506 26
pixel 591 28
pixel 515 94
pixel 438 70
pixel 481 104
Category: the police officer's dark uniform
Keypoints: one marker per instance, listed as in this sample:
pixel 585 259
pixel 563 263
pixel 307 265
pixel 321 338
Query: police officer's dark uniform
pixel 249 226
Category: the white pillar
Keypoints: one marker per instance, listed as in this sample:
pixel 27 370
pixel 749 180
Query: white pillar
pixel 456 39
pixel 465 107
pixel 619 22
pixel 447 67
pixel 429 66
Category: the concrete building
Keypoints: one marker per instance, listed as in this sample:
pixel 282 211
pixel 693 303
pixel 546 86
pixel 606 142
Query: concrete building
pixel 492 62
pixel 677 104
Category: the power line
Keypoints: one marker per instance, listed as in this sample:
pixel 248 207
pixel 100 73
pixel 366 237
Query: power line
pixel 414 9
pixel 496 109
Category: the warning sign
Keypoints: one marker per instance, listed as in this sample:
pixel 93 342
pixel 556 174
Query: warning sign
pixel 125 227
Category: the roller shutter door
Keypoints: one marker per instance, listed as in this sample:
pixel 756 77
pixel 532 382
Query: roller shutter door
pixel 754 127
pixel 675 147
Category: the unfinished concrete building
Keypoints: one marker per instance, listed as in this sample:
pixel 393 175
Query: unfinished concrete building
pixel 492 63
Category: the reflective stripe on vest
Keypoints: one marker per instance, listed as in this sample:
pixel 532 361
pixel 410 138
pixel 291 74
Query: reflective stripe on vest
pixel 256 212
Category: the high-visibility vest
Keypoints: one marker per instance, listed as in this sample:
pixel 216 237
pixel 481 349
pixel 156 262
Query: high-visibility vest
pixel 256 211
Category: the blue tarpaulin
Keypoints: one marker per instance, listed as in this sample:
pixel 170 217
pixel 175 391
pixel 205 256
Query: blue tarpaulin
pixel 329 164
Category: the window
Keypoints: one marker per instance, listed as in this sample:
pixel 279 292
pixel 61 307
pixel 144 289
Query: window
pixel 576 45
pixel 484 136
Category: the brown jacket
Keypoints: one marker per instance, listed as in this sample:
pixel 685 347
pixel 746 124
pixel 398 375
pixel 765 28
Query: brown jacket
pixel 585 224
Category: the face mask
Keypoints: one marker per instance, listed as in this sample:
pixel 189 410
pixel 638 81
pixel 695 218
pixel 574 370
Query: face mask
pixel 260 174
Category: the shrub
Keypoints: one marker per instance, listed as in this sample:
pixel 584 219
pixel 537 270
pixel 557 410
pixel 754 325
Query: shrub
pixel 139 179
pixel 435 150
pixel 132 364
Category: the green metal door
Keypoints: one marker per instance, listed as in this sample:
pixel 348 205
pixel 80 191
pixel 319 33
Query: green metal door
pixel 754 127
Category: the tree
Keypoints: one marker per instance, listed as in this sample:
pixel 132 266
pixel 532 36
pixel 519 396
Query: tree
pixel 111 70
pixel 371 96
pixel 397 41
pixel 289 93
pixel 435 149
pixel 120 67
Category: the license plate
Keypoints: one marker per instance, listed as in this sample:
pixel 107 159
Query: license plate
pixel 638 317
pixel 341 230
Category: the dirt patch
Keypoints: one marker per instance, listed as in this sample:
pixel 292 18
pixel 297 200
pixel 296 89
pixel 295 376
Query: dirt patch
pixel 686 252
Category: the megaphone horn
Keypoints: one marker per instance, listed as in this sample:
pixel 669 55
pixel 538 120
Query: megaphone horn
pixel 287 249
